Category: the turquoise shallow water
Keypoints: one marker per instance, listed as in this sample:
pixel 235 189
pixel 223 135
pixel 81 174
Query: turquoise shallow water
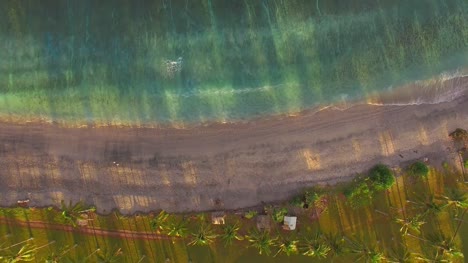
pixel 118 61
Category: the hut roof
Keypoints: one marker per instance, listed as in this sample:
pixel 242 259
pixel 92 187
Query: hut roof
pixel 289 223
pixel 217 218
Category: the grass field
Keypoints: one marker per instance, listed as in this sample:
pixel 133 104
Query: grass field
pixel 371 226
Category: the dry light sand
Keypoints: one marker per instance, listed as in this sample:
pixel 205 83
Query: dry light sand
pixel 226 166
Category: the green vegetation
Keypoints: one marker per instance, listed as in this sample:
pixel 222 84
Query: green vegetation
pixel 413 223
pixel 419 169
pixel 313 196
pixel 159 222
pixel 204 236
pixel 315 246
pixel 428 204
pixel 362 190
pixel 359 194
pixel 109 256
pixel 336 244
pixel 287 246
pixel 58 256
pixel 250 214
pixel 230 233
pixel 460 139
pixel 364 252
pixel 459 135
pixel 261 240
pixel 72 213
pixel 177 229
pixel 445 165
pixel 297 201
pixel 409 222
pixel 278 214
pixel 456 198
pixel 381 177
pixel 26 253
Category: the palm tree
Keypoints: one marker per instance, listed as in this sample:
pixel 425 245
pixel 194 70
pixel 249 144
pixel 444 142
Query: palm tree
pixel 26 253
pixel 56 257
pixel 443 248
pixel 459 201
pixel 17 244
pixel 314 246
pixel 177 229
pixel 141 258
pixel 336 245
pixel 413 223
pixel 431 258
pixel 287 246
pixel 261 240
pixel 70 212
pixel 460 221
pixel 109 256
pixel 456 198
pixel 204 236
pixel 400 254
pixel 90 255
pixel 428 205
pixel 230 233
pixel 160 221
pixel 364 252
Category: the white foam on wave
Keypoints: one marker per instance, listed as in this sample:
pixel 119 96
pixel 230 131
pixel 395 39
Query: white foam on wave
pixel 231 91
pixel 430 91
pixel 440 93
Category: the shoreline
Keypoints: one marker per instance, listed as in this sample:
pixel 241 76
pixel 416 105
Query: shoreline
pixel 218 167
pixel 439 89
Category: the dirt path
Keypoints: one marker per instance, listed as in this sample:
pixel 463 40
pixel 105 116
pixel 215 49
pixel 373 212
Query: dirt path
pixel 86 230
pixel 219 166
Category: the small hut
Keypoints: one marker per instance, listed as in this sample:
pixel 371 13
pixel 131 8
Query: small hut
pixel 82 220
pixel 23 203
pixel 263 222
pixel 217 218
pixel 289 223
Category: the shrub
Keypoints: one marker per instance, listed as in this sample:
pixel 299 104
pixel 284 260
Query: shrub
pixel 419 169
pixel 160 222
pixel 460 138
pixel 298 201
pixel 261 240
pixel 278 214
pixel 250 214
pixel 312 196
pixel 359 194
pixel 177 229
pixel 459 135
pixel 466 164
pixel 445 165
pixel 381 177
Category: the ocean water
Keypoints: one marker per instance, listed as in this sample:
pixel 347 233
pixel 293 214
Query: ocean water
pixel 193 61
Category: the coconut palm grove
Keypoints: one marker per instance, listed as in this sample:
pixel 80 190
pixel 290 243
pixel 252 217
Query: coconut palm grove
pixel 206 131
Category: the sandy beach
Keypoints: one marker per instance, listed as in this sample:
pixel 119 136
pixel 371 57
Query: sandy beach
pixel 219 166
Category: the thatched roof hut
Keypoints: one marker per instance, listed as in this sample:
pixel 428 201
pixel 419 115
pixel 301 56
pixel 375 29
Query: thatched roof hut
pixel 217 218
pixel 289 223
